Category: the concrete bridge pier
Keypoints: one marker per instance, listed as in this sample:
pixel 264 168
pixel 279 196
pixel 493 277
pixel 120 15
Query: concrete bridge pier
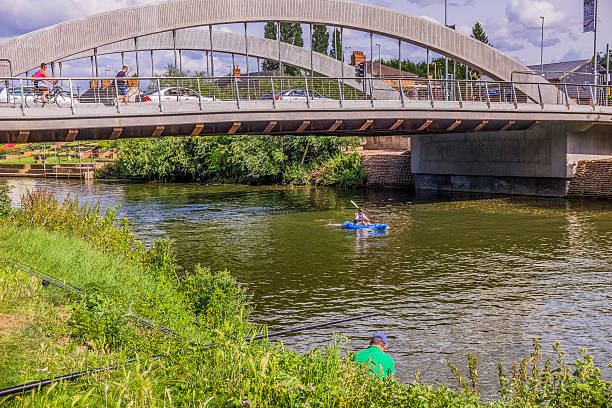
pixel 540 162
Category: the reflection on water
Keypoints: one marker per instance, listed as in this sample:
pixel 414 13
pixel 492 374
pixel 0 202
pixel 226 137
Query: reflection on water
pixel 453 273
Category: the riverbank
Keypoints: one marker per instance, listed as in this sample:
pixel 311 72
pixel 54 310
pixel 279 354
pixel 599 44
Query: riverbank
pixel 255 160
pixel 125 279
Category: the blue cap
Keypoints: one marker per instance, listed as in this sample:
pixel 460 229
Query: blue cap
pixel 380 336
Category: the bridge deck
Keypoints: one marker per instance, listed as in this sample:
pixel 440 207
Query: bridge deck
pixel 91 121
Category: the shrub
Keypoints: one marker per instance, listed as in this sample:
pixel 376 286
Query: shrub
pixel 5 201
pixel 216 295
pixel 342 170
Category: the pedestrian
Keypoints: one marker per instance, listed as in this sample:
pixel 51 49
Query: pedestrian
pixel 122 86
pixel 381 363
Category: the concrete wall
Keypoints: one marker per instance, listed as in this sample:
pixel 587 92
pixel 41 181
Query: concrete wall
pixel 387 143
pixel 535 162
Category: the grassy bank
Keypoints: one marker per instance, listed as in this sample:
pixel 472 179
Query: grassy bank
pixel 46 332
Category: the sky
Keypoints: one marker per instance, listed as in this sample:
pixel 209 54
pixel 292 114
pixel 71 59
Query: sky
pixel 513 26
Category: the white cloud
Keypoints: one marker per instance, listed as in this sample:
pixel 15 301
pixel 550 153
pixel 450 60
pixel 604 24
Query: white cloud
pixel 527 13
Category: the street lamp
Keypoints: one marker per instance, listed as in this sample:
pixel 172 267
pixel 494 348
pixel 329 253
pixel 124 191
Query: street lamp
pixel 542 50
pixel 379 64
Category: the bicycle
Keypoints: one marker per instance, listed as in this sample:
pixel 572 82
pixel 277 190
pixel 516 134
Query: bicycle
pixel 56 95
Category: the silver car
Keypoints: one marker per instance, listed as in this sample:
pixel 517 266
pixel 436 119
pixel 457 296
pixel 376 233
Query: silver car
pixel 296 95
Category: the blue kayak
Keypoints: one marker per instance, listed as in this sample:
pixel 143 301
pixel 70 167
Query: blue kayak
pixel 350 225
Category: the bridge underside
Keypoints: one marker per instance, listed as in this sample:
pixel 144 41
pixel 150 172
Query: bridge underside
pixel 99 122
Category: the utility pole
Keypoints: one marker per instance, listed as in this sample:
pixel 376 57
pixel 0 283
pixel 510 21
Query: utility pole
pixel 379 64
pixel 607 64
pixel 446 25
pixel 595 46
pixel 542 49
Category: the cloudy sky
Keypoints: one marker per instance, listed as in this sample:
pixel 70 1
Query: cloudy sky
pixel 513 26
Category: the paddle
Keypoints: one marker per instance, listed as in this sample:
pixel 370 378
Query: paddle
pixel 356 206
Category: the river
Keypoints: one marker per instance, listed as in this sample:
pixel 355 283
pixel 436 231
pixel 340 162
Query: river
pixel 454 273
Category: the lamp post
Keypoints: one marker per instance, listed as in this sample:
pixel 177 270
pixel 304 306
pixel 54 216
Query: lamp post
pixel 542 49
pixel 445 25
pixel 379 64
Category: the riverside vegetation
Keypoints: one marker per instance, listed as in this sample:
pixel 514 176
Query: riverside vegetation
pixel 295 160
pixel 47 332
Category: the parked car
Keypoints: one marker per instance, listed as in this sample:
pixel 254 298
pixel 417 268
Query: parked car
pixel 296 95
pixel 174 93
pixel 14 95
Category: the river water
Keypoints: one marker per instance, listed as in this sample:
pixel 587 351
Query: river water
pixel 453 274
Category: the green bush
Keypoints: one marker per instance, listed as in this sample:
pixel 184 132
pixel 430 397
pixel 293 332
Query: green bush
pixel 215 295
pixel 341 170
pixel 100 323
pixel 227 159
pixel 5 200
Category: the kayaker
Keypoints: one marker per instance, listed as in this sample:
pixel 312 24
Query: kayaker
pixel 361 219
pixel 381 363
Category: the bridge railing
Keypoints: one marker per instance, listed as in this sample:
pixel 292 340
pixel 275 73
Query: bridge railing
pixel 200 93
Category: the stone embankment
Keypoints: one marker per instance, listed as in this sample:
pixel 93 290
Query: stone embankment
pixel 387 168
pixel 593 179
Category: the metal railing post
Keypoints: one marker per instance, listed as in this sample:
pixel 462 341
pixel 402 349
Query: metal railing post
pixel 307 91
pixel 540 94
pixel 459 95
pixel 567 102
pixel 593 99
pixel 23 111
pixel 487 94
pixel 430 90
pixel 199 93
pixel 159 95
pixel 117 96
pixel 401 90
pixel 514 99
pixel 237 93
pixel 273 93
pixel 371 92
pixel 339 92
pixel 71 96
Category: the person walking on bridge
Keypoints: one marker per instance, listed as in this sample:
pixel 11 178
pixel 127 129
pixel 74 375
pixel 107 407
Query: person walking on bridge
pixel 381 363
pixel 122 86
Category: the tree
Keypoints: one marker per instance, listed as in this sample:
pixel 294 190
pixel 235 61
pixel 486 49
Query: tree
pixel 290 33
pixel 320 39
pixel 478 33
pixel 270 33
pixel 336 45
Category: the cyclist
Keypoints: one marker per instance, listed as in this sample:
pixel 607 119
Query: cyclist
pixel 40 84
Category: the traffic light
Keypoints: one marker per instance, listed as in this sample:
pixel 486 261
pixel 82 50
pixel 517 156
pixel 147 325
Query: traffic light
pixel 360 70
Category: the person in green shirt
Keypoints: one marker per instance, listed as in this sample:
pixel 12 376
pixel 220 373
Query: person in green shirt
pixel 381 363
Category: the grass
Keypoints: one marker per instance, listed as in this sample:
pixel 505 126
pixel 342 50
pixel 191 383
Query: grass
pixel 46 332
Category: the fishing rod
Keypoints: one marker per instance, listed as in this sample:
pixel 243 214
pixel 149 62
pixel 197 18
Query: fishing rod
pixel 67 377
pixel 48 279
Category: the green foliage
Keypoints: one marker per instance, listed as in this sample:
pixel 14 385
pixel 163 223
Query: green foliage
pixel 215 296
pixel 290 33
pixel 336 46
pixel 478 33
pixel 228 159
pixel 320 39
pixel 538 382
pixel 99 322
pixel 5 200
pixel 342 170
